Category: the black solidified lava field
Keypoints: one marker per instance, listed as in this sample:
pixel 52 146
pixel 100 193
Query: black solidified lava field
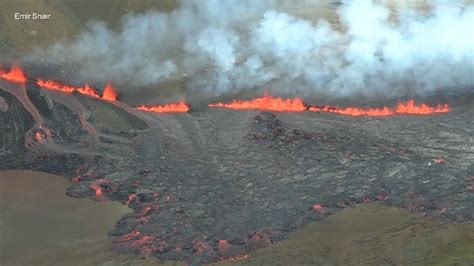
pixel 216 183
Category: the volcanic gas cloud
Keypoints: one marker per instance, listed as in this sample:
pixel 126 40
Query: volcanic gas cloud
pixel 225 53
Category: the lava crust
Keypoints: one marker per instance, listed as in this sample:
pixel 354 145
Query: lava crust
pixel 218 183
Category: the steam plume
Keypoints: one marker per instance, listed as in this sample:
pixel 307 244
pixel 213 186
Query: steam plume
pixel 221 47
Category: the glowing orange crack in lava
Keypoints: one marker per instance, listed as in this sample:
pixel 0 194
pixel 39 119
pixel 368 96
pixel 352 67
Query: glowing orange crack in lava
pixel 180 106
pixel 267 102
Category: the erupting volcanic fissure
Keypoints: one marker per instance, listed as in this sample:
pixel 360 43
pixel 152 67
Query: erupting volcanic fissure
pixel 110 93
pixel 180 106
pixel 60 86
pixel 15 74
pixel 408 107
pixel 267 102
pixel 182 173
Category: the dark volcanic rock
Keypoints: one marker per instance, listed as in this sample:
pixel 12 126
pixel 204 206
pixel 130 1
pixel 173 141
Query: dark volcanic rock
pixel 219 183
pixel 15 121
pixel 62 121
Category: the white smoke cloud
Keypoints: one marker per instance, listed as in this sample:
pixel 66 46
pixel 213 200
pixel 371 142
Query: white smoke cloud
pixel 226 46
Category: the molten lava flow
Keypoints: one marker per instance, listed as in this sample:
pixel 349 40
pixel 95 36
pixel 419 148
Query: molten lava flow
pixel 38 136
pixel 109 94
pixel 179 107
pixel 354 111
pixel 223 245
pixel 15 74
pixel 98 191
pixel 55 85
pixel 129 236
pixel 267 102
pixel 145 211
pixel 410 107
pixel 96 186
pixel 88 90
pixel 131 198
pixel 60 86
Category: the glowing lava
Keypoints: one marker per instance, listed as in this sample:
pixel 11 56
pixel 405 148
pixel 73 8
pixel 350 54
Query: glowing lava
pixel 267 102
pixel 55 85
pixel 15 74
pixel 409 107
pixel 109 94
pixel 178 107
pixel 38 137
pixel 88 90
pixel 60 86
pixel 96 186
pixel 354 111
pixel 131 198
pixel 223 244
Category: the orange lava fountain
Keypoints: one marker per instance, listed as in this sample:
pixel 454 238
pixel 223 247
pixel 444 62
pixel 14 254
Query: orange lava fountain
pixel 109 93
pixel 15 74
pixel 409 107
pixel 55 85
pixel 267 102
pixel 88 90
pixel 178 107
pixel 60 86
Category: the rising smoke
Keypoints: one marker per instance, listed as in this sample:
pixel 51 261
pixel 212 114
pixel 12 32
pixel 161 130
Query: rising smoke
pixel 222 47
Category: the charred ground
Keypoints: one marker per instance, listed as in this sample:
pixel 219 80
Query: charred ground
pixel 217 183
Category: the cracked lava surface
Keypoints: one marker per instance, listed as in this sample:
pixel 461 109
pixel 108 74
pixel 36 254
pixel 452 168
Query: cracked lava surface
pixel 217 183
